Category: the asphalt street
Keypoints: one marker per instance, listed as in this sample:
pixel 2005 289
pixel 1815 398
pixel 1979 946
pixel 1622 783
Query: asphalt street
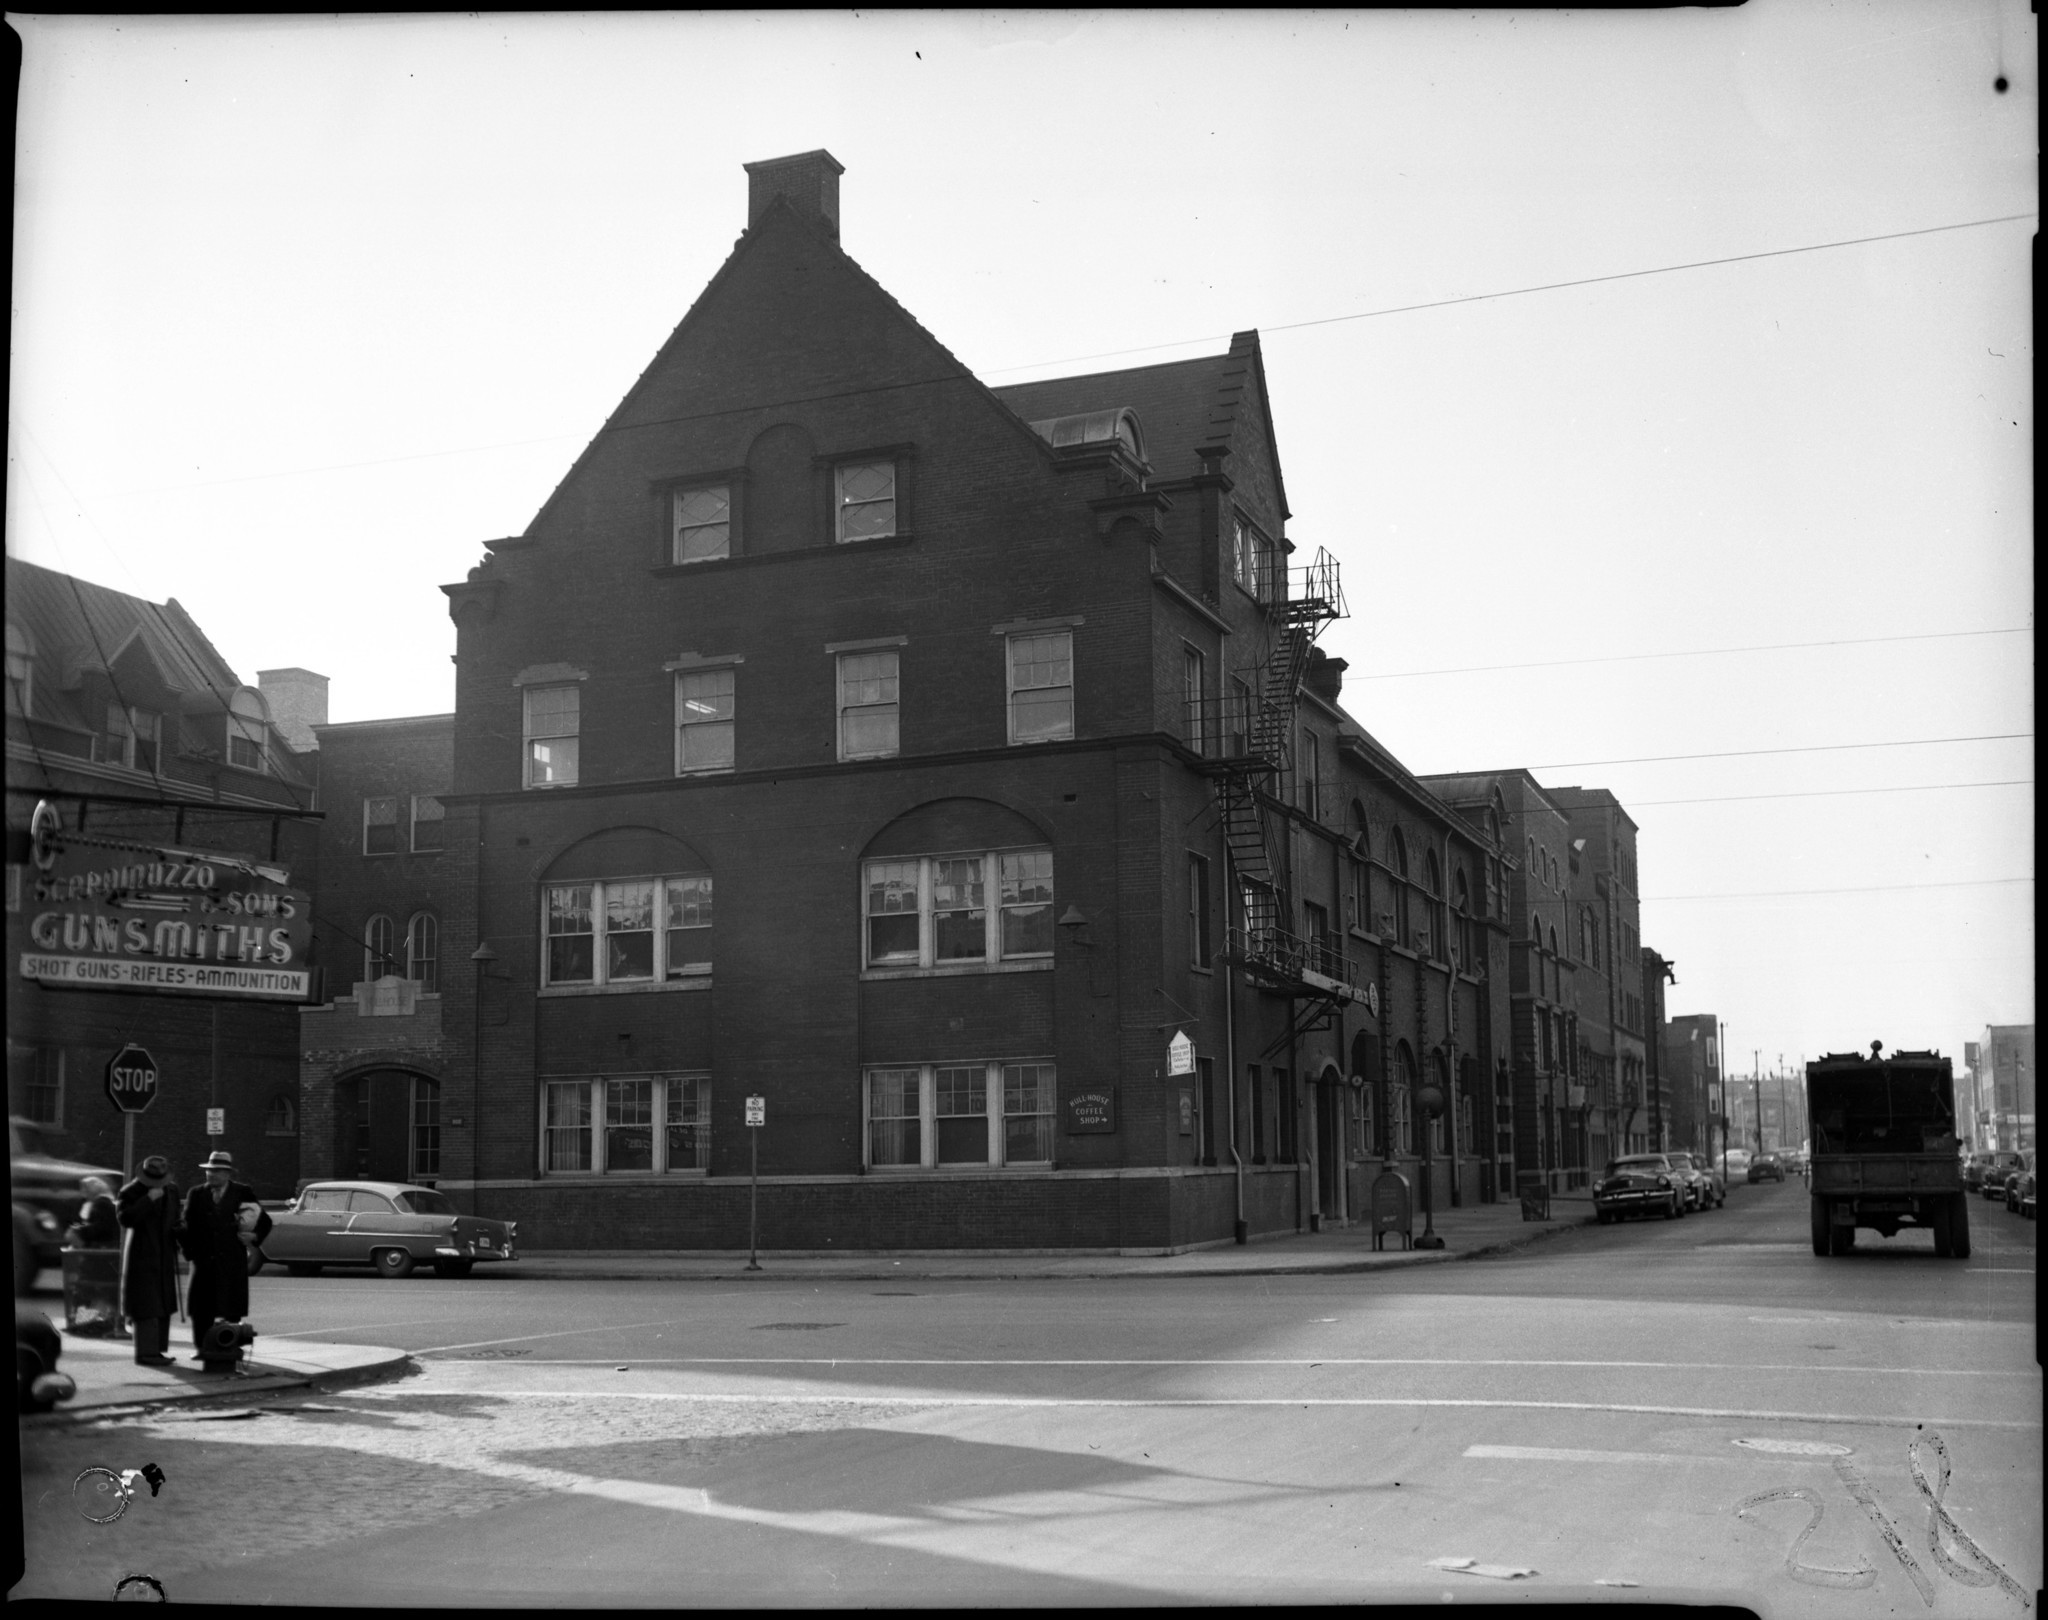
pixel 1697 1410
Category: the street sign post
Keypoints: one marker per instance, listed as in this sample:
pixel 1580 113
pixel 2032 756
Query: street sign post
pixel 216 1122
pixel 757 1116
pixel 131 1087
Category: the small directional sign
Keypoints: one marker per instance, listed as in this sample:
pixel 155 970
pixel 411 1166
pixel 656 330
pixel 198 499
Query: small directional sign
pixel 757 1110
pixel 1180 1054
pixel 131 1079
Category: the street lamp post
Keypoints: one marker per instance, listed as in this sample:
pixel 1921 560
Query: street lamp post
pixel 483 956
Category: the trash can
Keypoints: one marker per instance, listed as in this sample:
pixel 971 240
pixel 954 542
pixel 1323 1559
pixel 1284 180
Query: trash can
pixel 92 1292
pixel 1535 1194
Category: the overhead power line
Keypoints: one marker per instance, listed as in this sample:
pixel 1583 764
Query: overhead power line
pixel 1868 888
pixel 1746 753
pixel 1831 793
pixel 1518 292
pixel 1696 652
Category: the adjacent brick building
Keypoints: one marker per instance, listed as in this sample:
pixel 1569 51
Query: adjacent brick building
pixel 124 719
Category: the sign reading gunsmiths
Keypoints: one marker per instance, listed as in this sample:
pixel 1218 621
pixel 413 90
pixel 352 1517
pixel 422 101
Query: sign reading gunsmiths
pixel 177 921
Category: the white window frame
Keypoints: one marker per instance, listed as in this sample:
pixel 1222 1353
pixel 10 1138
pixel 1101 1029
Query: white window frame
pixel 1011 646
pixel 992 907
pixel 390 803
pixel 692 889
pixel 863 685
pixel 438 819
pixel 679 531
pixel 423 924
pixel 567 772
pixel 996 1095
pixel 694 714
pixel 686 1091
pixel 252 730
pixel 393 953
pixel 842 507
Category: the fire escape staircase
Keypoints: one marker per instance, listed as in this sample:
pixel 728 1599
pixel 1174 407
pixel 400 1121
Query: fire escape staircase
pixel 1246 751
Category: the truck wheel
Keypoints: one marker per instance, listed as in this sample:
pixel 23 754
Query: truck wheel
pixel 1938 1218
pixel 1959 1226
pixel 1820 1226
pixel 1841 1239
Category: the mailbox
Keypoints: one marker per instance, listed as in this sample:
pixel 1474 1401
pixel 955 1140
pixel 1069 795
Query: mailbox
pixel 1393 1208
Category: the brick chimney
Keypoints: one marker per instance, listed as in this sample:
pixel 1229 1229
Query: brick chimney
pixel 810 180
pixel 1324 675
pixel 298 703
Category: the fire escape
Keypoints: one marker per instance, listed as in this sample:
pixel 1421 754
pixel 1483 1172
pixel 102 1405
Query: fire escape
pixel 1247 757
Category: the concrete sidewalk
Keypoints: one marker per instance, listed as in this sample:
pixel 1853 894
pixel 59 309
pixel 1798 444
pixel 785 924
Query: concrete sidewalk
pixel 1467 1233
pixel 107 1376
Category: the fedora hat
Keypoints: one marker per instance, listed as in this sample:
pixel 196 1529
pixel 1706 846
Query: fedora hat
pixel 217 1160
pixel 155 1169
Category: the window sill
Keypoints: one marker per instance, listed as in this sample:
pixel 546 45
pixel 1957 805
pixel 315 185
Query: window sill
pixel 709 770
pixel 907 1170
pixel 624 1177
pixel 696 981
pixel 720 565
pixel 1036 964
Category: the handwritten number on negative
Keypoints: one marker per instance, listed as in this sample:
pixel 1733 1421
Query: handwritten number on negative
pixel 1811 1574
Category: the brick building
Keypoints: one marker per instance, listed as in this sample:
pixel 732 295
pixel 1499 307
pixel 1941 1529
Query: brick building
pixel 1690 1059
pixel 924 758
pixel 123 717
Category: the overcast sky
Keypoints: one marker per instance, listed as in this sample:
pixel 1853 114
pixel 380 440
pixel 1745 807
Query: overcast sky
pixel 306 310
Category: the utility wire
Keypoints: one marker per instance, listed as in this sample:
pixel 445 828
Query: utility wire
pixel 1696 652
pixel 1869 888
pixel 1829 793
pixel 1518 292
pixel 1745 753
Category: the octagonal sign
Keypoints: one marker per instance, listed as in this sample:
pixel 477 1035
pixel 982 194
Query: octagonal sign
pixel 131 1079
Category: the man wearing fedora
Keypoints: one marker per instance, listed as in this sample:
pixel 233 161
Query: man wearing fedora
pixel 216 1239
pixel 148 1208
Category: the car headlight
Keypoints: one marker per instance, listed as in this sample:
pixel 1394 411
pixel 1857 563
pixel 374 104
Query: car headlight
pixel 1663 1181
pixel 46 1220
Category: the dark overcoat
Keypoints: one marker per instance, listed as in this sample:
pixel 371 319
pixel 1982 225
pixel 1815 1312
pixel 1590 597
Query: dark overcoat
pixel 149 1268
pixel 213 1243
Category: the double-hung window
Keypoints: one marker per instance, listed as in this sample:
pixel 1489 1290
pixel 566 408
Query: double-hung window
pixel 865 500
pixel 1192 686
pixel 925 911
pixel 1200 951
pixel 704 720
pixel 1310 768
pixel 380 948
pixel 428 817
pixel 380 826
pixel 553 720
pixel 929 1115
pixel 627 1125
pixel 423 951
pixel 1041 686
pixel 703 524
pixel 132 737
pixel 626 931
pixel 868 705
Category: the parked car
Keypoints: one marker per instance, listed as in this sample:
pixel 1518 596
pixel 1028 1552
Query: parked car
pixel 2025 1191
pixel 1997 1166
pixel 390 1225
pixel 2019 1173
pixel 1973 1171
pixel 1716 1177
pixel 46 1198
pixel 1639 1184
pixel 1699 1184
pixel 1735 1161
pixel 1765 1168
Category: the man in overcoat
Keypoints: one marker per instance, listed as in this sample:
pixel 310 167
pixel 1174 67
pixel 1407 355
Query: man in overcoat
pixel 213 1240
pixel 148 1208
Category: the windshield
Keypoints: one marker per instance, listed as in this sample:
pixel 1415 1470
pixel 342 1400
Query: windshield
pixel 425 1203
pixel 1639 1163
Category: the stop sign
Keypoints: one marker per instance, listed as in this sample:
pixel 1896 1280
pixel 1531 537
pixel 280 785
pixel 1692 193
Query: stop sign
pixel 131 1080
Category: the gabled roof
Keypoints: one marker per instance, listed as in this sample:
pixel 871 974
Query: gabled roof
pixel 78 625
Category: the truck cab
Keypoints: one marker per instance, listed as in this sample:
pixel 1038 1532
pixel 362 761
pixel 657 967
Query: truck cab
pixel 1884 1149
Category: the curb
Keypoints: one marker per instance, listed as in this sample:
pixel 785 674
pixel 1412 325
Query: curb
pixel 270 1382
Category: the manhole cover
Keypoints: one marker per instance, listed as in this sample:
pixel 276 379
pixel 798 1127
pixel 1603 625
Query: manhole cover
pixel 493 1355
pixel 793 1327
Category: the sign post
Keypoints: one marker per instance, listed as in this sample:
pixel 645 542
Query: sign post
pixel 131 1087
pixel 757 1116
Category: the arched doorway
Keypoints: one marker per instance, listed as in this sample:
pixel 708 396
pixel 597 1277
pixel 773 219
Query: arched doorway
pixel 1329 1103
pixel 387 1126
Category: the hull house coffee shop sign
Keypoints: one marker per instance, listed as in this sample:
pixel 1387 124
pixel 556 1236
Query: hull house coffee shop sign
pixel 179 921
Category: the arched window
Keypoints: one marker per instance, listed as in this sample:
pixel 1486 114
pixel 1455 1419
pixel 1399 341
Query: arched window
pixel 1363 1142
pixel 1401 1099
pixel 1535 871
pixel 426 1127
pixel 423 951
pixel 1462 946
pixel 1440 1077
pixel 380 947
pixel 281 1119
pixel 1553 943
pixel 1402 935
pixel 1433 878
pixel 248 729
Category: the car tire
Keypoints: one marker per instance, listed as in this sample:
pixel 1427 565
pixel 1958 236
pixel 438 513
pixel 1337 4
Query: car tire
pixel 1958 1226
pixel 1675 1209
pixel 25 1268
pixel 299 1268
pixel 453 1268
pixel 1821 1245
pixel 393 1263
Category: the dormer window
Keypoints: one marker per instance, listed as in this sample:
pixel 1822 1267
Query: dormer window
pixel 133 737
pixel 703 524
pixel 248 730
pixel 865 501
